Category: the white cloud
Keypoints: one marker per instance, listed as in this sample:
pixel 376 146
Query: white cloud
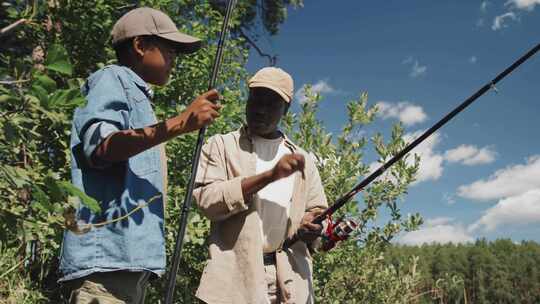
pixel 408 113
pixel 513 14
pixel 516 210
pixel 470 155
pixel 524 4
pixel 430 161
pixel 480 22
pixel 483 6
pixel 511 181
pixel 437 230
pixel 449 198
pixel 417 69
pixel 407 60
pixel 499 21
pixel 437 221
pixel 320 87
pixel 473 59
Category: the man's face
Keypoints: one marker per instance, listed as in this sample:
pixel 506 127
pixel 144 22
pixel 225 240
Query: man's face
pixel 264 110
pixel 158 60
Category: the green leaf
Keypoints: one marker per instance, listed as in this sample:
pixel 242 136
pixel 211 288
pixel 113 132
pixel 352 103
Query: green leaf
pixel 58 61
pixel 7 99
pixel 46 82
pixel 17 176
pixel 10 132
pixel 41 93
pixel 41 200
pixel 55 191
pixel 87 201
pixel 64 97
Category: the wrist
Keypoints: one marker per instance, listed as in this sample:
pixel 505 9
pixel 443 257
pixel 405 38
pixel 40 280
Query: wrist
pixel 176 125
pixel 270 176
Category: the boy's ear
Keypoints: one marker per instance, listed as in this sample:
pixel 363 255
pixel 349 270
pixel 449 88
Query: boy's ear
pixel 139 46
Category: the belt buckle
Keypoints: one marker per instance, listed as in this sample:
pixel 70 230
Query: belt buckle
pixel 269 258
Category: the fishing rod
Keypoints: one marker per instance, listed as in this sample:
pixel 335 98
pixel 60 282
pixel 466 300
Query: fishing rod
pixel 177 255
pixel 359 187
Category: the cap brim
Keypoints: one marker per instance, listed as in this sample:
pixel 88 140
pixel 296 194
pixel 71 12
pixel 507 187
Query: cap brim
pixel 275 89
pixel 185 43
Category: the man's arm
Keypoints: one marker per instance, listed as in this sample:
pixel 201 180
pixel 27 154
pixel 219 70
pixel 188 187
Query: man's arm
pixel 121 145
pixel 286 166
pixel 219 196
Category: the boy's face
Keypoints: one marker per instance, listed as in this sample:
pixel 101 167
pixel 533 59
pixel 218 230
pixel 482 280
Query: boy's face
pixel 157 58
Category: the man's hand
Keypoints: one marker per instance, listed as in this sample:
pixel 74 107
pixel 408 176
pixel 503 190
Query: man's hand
pixel 287 165
pixel 308 231
pixel 201 112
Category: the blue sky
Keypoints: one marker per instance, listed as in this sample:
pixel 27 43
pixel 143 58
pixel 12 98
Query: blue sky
pixel 480 175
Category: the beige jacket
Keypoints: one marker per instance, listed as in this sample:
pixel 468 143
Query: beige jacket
pixel 234 273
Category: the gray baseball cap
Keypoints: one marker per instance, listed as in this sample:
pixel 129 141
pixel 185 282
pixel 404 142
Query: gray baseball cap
pixel 148 21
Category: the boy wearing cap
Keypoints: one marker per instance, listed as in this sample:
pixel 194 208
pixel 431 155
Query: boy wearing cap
pixel 118 158
pixel 258 188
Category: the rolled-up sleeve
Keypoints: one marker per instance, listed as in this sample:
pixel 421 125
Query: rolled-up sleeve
pixel 93 137
pixel 106 112
pixel 217 196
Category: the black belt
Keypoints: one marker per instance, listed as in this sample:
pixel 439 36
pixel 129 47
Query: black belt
pixel 269 258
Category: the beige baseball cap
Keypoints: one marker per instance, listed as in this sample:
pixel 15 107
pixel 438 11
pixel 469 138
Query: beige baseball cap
pixel 148 21
pixel 275 79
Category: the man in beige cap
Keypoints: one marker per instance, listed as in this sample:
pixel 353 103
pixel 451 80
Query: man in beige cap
pixel 257 188
pixel 118 158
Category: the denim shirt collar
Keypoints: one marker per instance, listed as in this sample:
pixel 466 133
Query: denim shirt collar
pixel 139 82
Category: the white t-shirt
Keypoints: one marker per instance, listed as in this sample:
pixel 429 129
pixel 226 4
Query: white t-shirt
pixel 274 200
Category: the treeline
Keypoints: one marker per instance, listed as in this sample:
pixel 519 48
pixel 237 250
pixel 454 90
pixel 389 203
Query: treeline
pixel 500 271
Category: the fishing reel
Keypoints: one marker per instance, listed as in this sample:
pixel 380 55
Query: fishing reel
pixel 337 231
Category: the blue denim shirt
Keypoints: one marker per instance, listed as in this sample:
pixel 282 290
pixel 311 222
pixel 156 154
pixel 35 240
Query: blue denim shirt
pixel 117 99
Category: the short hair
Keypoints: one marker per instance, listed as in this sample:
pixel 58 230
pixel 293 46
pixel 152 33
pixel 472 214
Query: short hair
pixel 122 48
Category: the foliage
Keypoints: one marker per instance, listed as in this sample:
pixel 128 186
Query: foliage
pixel 354 271
pixel 491 272
pixel 62 42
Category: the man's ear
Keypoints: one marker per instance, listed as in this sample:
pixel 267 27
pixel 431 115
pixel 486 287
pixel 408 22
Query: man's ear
pixel 139 46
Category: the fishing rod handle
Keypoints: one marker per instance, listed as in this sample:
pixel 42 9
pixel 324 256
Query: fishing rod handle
pixel 321 217
pixel 295 238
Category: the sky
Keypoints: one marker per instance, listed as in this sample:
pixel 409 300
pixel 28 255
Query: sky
pixel 480 174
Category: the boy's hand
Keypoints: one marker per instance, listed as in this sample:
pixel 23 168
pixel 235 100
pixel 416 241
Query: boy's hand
pixel 287 165
pixel 201 112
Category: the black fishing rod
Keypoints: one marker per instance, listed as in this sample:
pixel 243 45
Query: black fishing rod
pixel 177 255
pixel 359 187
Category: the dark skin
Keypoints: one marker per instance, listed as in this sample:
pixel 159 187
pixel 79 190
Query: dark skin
pixel 152 59
pixel 264 110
